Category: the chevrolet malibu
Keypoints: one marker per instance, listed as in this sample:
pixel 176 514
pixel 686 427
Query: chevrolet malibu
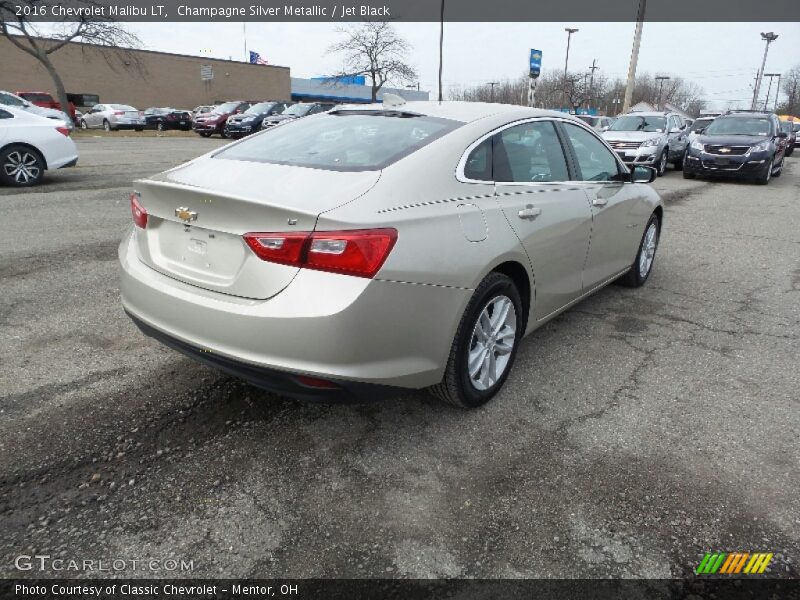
pixel 407 245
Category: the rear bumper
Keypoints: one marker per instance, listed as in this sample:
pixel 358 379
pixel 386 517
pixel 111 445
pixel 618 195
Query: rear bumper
pixel 334 327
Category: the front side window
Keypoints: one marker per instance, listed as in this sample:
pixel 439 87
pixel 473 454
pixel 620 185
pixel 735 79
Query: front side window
pixel 595 161
pixel 342 141
pixel 529 153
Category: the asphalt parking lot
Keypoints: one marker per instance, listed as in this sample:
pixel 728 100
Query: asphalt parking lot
pixel 637 431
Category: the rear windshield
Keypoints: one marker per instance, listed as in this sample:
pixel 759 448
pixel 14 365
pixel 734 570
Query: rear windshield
pixel 34 97
pixel 121 107
pixel 342 141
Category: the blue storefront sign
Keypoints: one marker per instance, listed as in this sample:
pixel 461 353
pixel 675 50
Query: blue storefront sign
pixel 536 63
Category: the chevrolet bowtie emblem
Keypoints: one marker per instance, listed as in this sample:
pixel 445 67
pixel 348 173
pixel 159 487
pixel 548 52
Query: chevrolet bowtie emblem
pixel 184 214
pixel 724 150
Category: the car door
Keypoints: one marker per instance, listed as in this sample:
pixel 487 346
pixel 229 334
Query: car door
pixel 677 137
pixel 617 217
pixel 550 216
pixel 94 118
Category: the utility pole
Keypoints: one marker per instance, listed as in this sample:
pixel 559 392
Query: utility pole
pixel 777 93
pixel 637 40
pixel 660 79
pixel 591 83
pixel 769 87
pixel 569 31
pixel 769 38
pixel 441 47
pixel 492 84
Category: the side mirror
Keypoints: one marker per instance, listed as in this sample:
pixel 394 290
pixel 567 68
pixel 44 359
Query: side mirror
pixel 642 174
pixel 675 130
pixel 783 134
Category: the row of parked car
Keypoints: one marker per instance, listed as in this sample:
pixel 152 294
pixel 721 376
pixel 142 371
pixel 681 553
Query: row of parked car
pixel 740 144
pixel 238 118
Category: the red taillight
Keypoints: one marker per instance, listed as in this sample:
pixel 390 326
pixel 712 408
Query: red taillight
pixel 138 211
pixel 63 131
pixel 119 112
pixel 359 252
pixel 315 382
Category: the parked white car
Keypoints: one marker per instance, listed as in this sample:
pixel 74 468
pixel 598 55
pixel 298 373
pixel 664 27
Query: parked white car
pixel 31 144
pixel 112 117
pixel 9 99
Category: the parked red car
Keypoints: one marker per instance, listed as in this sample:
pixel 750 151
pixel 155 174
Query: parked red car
pixel 207 124
pixel 45 100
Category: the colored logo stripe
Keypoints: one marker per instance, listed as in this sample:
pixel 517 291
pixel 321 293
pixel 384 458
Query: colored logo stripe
pixel 733 563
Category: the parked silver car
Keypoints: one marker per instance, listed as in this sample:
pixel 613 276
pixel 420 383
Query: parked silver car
pixel 112 117
pixel 599 123
pixel 396 244
pixel 15 101
pixel 649 138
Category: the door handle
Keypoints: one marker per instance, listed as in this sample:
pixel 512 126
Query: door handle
pixel 599 202
pixel 529 212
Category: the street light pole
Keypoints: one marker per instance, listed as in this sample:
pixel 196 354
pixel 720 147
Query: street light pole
pixel 491 85
pixel 660 79
pixel 769 38
pixel 569 31
pixel 637 40
pixel 441 48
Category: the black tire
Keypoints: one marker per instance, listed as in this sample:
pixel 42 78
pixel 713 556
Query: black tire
pixel 204 134
pixel 780 167
pixel 634 277
pixel 764 177
pixel 688 174
pixel 223 135
pixel 106 125
pixel 457 387
pixel 679 163
pixel 661 168
pixel 139 128
pixel 32 163
pixel 789 150
pixel 84 124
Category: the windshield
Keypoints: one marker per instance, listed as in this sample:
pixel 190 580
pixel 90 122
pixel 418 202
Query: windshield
pixel 226 108
pixel 739 126
pixel 701 123
pixel 259 108
pixel 639 123
pixel 121 107
pixel 344 141
pixel 298 110
pixel 590 120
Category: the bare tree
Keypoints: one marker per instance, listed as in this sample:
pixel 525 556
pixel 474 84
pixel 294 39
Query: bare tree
pixel 374 49
pixel 112 38
pixel 790 86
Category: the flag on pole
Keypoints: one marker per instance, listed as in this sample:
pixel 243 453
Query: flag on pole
pixel 255 59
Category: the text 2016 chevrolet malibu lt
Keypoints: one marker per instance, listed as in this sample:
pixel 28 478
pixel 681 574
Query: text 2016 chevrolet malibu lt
pixel 396 245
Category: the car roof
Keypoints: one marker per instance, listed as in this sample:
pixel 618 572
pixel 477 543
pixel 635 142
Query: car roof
pixel 649 113
pixel 461 111
pixel 25 115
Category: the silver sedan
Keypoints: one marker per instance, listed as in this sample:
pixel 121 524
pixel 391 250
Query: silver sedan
pixel 406 245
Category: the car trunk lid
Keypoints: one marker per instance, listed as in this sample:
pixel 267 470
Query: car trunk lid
pixel 198 213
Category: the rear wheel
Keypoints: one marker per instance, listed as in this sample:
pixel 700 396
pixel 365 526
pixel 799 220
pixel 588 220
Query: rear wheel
pixel 485 344
pixel 645 257
pixel 106 125
pixel 21 166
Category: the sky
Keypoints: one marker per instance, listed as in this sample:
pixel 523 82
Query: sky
pixel 722 58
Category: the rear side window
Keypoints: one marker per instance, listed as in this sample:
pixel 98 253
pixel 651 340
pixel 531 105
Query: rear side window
pixel 529 153
pixel 343 141
pixel 4 114
pixel 479 162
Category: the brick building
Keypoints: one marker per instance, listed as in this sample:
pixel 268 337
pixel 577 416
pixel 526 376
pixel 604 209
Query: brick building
pixel 160 79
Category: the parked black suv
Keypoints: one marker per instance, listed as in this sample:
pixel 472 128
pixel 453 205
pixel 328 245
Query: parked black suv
pixel 741 144
pixel 250 120
pixel 297 111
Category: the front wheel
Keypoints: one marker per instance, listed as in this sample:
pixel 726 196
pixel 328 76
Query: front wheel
pixel 643 265
pixel 84 124
pixel 766 174
pixel 160 126
pixel 485 344
pixel 662 163
pixel 204 134
pixel 21 166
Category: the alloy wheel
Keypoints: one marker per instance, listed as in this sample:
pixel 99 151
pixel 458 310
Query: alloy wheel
pixel 662 165
pixel 648 250
pixel 22 166
pixel 492 342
